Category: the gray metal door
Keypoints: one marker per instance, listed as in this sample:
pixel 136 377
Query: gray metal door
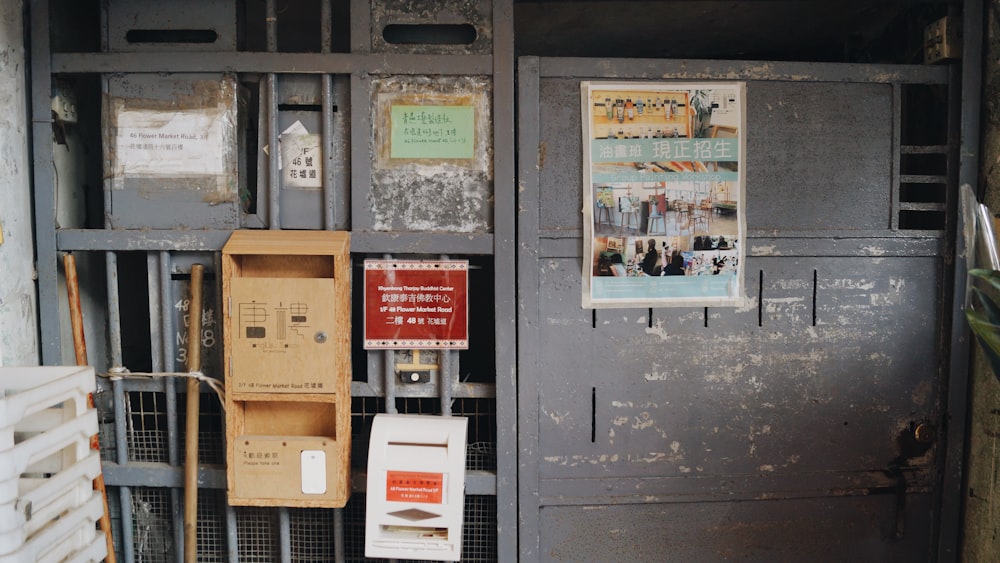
pixel 806 423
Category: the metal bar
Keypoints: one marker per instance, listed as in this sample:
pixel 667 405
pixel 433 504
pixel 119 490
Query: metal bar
pixel 213 240
pixel 505 279
pixel 285 534
pixel 460 390
pixel 339 554
pixel 261 62
pixel 121 414
pixel 150 474
pixel 108 239
pixel 559 67
pixel 527 302
pixel 271 24
pixel 361 26
pixel 273 179
pixel 444 381
pixel 167 346
pixel 361 177
pixel 966 153
pixel 923 149
pixel 390 381
pixel 232 538
pixel 329 192
pixel 325 27
pixel 44 186
pixel 895 180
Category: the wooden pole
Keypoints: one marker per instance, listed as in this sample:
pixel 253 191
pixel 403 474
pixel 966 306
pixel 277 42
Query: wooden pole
pixel 191 428
pixel 80 349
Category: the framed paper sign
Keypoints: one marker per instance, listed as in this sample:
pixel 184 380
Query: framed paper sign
pixel 663 194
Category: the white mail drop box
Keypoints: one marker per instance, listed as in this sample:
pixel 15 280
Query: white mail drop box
pixel 416 487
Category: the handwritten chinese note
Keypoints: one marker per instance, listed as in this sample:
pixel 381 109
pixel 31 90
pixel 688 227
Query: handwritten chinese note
pixel 434 132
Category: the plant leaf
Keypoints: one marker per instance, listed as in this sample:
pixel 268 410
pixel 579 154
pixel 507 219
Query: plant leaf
pixel 991 277
pixel 988 336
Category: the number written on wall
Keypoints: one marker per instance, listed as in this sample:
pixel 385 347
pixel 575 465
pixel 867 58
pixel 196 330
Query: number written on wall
pixel 209 334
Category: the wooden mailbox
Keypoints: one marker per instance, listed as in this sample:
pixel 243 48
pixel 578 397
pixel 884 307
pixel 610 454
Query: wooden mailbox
pixel 287 311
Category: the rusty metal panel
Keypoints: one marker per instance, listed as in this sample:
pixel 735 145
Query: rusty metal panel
pixel 821 152
pixel 450 27
pixel 178 25
pixel 172 162
pixel 796 383
pixel 413 194
pixel 688 433
pixel 820 529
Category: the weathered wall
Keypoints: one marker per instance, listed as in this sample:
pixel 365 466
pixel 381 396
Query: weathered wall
pixel 982 498
pixel 18 325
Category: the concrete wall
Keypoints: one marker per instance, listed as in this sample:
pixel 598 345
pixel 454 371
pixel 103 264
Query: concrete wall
pixel 18 323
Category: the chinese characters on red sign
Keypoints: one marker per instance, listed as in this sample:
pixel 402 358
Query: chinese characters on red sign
pixel 418 305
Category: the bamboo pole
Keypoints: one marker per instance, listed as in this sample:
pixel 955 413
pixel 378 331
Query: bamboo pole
pixel 80 350
pixel 191 428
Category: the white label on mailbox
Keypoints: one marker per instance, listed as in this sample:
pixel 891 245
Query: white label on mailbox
pixel 313 472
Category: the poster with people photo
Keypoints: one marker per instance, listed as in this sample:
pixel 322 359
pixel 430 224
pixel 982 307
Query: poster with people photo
pixel 664 194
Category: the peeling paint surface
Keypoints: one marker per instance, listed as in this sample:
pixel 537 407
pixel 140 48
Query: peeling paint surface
pixel 454 195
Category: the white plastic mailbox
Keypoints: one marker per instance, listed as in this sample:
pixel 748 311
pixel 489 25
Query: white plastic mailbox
pixel 416 487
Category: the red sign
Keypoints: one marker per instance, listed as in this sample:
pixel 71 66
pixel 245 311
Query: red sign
pixel 409 486
pixel 416 305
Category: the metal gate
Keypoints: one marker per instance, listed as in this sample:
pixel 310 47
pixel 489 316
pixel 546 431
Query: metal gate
pixel 807 423
pixel 320 66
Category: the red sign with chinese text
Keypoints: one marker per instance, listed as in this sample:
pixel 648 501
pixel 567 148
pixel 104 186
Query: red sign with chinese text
pixel 410 486
pixel 416 305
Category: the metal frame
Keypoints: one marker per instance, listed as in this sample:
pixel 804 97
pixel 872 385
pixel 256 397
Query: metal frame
pixel 536 244
pixel 165 250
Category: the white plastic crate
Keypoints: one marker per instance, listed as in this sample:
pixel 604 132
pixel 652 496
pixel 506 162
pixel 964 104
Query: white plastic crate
pixel 47 467
pixel 71 537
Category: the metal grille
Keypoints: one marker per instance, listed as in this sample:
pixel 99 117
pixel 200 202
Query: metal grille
pixel 479 532
pixel 211 432
pixel 257 534
pixel 152 521
pixel 147 426
pixel 115 515
pixel 211 526
pixel 311 534
pixel 481 452
pixel 363 411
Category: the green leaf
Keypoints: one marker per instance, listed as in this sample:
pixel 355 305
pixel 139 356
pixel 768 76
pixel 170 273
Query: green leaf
pixel 991 277
pixel 988 336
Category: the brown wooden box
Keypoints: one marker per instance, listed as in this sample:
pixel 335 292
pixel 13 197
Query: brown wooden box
pixel 287 315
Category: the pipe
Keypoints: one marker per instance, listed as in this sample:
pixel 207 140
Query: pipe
pixel 191 429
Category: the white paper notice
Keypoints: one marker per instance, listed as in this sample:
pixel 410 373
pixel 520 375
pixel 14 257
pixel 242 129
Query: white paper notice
pixel 301 158
pixel 177 143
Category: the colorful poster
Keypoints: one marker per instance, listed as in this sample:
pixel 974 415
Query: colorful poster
pixel 663 194
pixel 416 304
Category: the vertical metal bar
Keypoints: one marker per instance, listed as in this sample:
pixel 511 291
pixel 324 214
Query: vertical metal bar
pixel 967 154
pixel 121 415
pixel 505 278
pixel 271 25
pixel 525 427
pixel 44 186
pixel 897 143
pixel 285 534
pixel 361 173
pixel 339 554
pixel 329 195
pixel 444 380
pixel 273 178
pixel 389 378
pixel 361 26
pixel 168 346
pixel 325 27
pixel 232 537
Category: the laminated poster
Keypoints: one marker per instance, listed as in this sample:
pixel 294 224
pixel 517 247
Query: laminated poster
pixel 663 194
